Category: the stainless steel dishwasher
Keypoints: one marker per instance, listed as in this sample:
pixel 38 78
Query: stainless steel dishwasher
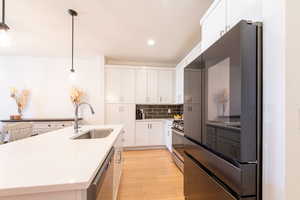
pixel 102 186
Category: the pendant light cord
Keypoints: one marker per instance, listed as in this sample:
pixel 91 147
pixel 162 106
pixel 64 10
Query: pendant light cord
pixel 3 11
pixel 72 43
pixel 73 13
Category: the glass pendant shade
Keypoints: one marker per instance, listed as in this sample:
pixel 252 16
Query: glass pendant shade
pixel 5 39
pixel 72 76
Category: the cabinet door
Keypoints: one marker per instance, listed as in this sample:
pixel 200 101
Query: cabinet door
pixel 141 86
pixel 112 83
pixel 112 114
pixel 127 85
pixel 214 25
pixel 141 134
pixel 238 10
pixel 152 86
pixel 166 86
pixel 156 134
pixel 179 84
pixel 118 163
pixel 122 114
pixel 127 115
pixel 168 135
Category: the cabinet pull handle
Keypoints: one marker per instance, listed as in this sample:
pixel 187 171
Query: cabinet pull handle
pixel 160 99
pixel 227 28
pixel 221 33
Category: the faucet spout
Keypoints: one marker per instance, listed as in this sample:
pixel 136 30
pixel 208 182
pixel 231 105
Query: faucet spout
pixel 76 126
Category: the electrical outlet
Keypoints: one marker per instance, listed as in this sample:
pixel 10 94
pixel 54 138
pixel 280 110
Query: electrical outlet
pixel 169 110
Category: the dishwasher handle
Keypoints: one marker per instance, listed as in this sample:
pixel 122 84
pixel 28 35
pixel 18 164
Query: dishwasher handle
pixel 96 184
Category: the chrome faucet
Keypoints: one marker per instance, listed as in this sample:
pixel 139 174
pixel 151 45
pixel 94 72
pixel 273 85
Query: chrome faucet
pixel 76 126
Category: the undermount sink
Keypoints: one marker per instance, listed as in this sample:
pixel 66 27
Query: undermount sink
pixel 94 134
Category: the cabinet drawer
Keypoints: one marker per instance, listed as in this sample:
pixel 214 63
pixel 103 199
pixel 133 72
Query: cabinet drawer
pixel 200 185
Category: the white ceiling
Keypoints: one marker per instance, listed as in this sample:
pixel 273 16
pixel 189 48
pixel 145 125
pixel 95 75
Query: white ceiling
pixel 119 29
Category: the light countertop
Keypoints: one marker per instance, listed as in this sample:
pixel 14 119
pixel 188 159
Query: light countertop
pixel 154 120
pixel 42 120
pixel 53 161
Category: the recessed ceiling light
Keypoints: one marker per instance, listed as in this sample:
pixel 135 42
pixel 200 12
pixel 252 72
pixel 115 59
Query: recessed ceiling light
pixel 151 42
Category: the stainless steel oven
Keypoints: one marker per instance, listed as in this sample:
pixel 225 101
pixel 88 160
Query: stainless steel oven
pixel 102 186
pixel 178 147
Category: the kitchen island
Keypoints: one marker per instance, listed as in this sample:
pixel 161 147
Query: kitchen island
pixel 54 165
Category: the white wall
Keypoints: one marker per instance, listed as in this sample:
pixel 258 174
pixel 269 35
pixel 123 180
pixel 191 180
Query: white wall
pixel 49 84
pixel 274 100
pixel 292 104
pixel 281 99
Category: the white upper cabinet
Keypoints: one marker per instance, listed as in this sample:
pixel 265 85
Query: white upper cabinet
pixel 146 86
pixel 141 86
pixel 214 24
pixel 166 83
pixel 179 83
pixel 225 14
pixel 127 86
pixel 245 9
pixel 152 86
pixel 155 86
pixel 112 83
pixel 120 85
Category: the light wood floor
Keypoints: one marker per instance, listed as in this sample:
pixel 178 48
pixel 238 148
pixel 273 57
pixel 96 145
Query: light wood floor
pixel 150 175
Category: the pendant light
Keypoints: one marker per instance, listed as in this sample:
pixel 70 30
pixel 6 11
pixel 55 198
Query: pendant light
pixel 73 13
pixel 4 36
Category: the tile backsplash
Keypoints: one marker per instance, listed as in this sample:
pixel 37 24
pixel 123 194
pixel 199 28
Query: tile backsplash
pixel 160 111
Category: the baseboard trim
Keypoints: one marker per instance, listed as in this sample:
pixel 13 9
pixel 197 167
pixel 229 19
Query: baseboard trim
pixel 144 148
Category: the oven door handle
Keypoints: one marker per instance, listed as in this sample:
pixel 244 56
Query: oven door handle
pixel 177 132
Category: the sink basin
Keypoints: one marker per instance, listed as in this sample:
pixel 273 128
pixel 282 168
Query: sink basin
pixel 94 134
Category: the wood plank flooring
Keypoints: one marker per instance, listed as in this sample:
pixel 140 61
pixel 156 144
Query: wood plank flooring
pixel 150 175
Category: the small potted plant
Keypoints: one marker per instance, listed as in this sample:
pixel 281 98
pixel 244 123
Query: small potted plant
pixel 21 100
pixel 223 99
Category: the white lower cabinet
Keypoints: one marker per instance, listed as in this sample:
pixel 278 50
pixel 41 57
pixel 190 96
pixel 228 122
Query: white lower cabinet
pixel 118 164
pixel 168 134
pixel 141 133
pixel 149 134
pixel 156 136
pixel 122 114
